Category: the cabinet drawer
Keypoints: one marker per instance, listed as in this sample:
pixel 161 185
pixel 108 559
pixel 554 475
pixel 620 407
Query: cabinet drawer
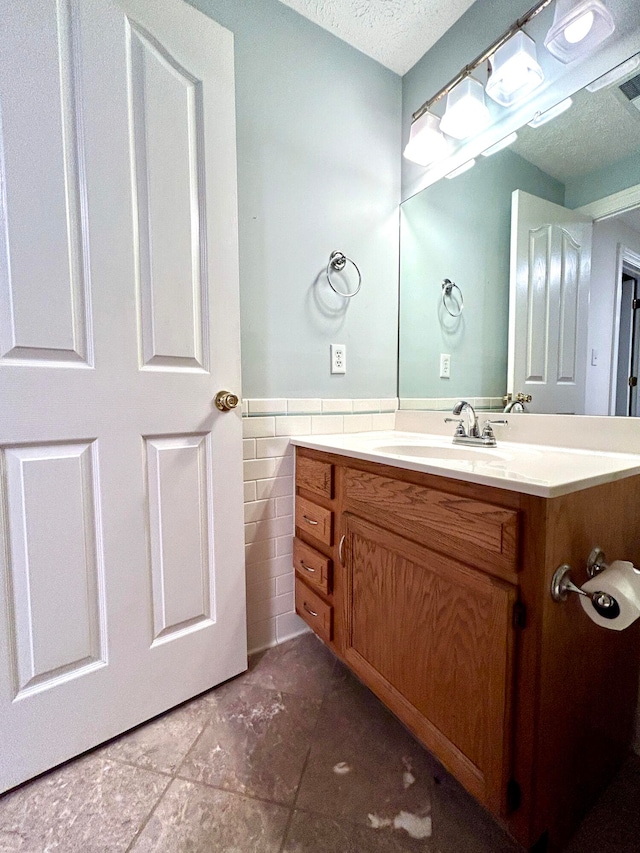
pixel 478 533
pixel 311 565
pixel 317 613
pixel 314 475
pixel 314 520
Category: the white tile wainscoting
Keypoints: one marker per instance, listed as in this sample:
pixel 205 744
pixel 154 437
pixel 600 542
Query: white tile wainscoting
pixel 268 498
pixel 446 404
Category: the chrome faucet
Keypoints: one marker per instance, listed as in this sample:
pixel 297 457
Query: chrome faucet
pixel 462 406
pixel 472 436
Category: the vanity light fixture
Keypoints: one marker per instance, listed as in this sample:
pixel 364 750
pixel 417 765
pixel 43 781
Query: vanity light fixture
pixel 577 28
pixel 515 71
pixel 459 125
pixel 615 74
pixel 426 142
pixel 466 112
pixel 499 146
pixel 461 169
pixel 542 118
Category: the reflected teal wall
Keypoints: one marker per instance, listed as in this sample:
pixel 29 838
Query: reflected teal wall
pixel 603 182
pixel 318 129
pixel 460 229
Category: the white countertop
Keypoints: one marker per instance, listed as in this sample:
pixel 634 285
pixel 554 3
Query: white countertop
pixel 541 470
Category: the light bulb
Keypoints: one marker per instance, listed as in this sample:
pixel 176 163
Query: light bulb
pixel 579 26
pixel 426 141
pixel 466 111
pixel 579 29
pixel 515 70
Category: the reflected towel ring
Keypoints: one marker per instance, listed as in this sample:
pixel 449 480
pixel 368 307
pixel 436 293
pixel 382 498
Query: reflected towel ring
pixel 338 261
pixel 447 287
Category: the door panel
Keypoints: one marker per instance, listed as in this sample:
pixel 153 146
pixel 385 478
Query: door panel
pixel 549 292
pixel 54 563
pixel 43 224
pixel 181 552
pixel 122 557
pixel 168 166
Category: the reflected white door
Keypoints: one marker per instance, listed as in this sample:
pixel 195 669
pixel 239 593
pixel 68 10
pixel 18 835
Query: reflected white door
pixel 121 562
pixel 548 304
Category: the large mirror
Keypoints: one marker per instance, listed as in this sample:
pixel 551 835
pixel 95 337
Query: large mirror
pixel 542 240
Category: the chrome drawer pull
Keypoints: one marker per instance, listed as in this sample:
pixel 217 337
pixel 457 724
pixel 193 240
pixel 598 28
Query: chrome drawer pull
pixel 309 520
pixel 308 568
pixel 309 610
pixel 340 546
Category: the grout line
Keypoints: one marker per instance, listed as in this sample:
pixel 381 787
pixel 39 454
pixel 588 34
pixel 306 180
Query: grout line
pixel 233 792
pixel 131 763
pixel 306 761
pixel 176 772
pixel 145 823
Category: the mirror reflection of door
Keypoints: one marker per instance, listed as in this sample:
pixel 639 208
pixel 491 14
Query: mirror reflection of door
pixel 627 369
pixel 548 304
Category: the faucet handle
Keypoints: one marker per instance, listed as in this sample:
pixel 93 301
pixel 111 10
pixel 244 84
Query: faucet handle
pixel 460 428
pixel 487 431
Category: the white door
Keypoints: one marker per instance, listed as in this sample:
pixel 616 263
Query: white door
pixel 121 562
pixel 548 304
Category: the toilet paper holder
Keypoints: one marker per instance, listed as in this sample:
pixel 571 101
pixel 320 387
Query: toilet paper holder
pixel 603 603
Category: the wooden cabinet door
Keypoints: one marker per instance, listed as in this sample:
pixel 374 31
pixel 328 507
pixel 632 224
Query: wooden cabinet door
pixel 434 639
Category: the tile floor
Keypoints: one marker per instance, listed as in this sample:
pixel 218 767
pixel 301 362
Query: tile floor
pixel 295 756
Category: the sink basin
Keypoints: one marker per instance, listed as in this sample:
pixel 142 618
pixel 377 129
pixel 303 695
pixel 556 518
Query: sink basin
pixel 449 453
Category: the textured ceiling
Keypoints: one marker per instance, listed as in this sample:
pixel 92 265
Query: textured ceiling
pixel 598 130
pixel 395 32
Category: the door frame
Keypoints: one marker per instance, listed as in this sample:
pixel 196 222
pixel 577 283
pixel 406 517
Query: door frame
pixel 599 210
pixel 624 258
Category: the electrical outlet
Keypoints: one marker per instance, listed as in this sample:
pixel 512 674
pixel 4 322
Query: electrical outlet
pixel 445 365
pixel 338 358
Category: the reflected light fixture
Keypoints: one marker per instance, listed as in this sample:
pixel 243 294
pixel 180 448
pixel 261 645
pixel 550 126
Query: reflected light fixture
pixel 578 26
pixel 426 142
pixel 466 111
pixel 515 70
pixel 615 74
pixel 461 169
pixel 499 146
pixel 542 118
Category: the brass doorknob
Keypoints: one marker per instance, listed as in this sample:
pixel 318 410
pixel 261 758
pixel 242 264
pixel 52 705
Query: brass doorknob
pixel 225 401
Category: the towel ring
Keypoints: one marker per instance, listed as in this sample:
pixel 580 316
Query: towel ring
pixel 338 261
pixel 447 287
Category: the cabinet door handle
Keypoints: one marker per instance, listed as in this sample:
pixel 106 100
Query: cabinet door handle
pixel 340 547
pixel 307 568
pixel 309 610
pixel 310 520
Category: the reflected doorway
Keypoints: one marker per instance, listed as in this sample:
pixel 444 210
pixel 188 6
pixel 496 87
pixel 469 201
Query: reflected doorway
pixel 628 363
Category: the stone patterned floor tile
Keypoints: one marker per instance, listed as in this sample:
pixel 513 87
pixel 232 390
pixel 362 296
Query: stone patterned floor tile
pixel 88 806
pixel 161 744
pixel 256 742
pixel 461 824
pixel 302 666
pixel 613 825
pixel 363 761
pixel 193 818
pixel 313 833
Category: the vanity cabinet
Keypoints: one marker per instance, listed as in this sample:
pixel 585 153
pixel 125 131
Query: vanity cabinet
pixel 435 592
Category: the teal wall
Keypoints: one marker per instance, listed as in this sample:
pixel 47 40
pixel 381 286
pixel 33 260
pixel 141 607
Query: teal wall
pixel 603 182
pixel 460 229
pixel 318 130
